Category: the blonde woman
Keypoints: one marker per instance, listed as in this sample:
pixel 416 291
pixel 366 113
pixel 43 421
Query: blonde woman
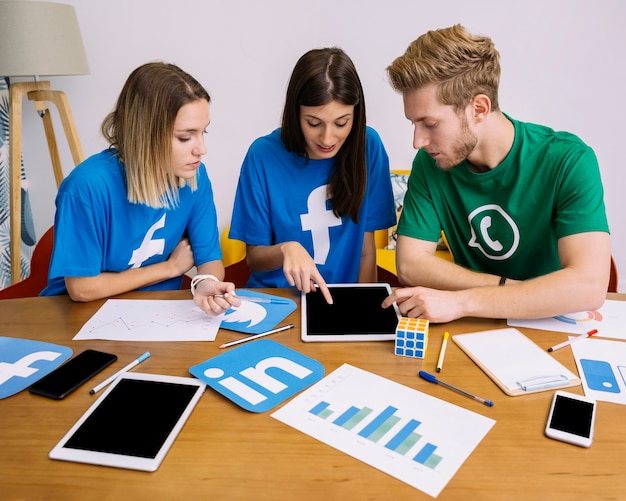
pixel 140 214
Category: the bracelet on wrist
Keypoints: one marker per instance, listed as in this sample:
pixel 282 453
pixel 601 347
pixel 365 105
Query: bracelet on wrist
pixel 199 278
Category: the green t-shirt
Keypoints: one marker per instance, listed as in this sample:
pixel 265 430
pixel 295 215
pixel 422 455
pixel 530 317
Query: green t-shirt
pixel 507 221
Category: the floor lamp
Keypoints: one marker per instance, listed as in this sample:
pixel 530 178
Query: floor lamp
pixel 38 38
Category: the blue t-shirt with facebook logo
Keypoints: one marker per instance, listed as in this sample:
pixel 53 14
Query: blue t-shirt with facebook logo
pixel 97 229
pixel 282 197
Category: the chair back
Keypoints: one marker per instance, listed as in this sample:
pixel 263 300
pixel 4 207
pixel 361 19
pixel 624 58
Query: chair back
pixel 32 285
pixel 613 279
pixel 236 268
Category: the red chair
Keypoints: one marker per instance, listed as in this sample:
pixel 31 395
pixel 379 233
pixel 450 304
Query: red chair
pixel 614 278
pixel 32 285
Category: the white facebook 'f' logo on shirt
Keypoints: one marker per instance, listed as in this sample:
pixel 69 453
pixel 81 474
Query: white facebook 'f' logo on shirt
pixel 318 221
pixel 149 247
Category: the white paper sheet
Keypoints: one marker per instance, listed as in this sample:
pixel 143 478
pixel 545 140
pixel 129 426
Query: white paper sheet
pixel 610 320
pixel 602 368
pixel 409 435
pixel 150 320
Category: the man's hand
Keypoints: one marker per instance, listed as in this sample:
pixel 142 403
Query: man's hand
pixel 429 304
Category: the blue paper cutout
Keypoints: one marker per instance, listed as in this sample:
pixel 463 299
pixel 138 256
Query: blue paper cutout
pixel 24 362
pixel 260 374
pixel 255 318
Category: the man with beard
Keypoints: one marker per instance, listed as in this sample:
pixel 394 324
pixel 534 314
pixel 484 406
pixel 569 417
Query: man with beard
pixel 520 205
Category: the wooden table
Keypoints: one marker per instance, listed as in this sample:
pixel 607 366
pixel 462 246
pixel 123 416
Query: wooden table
pixel 226 453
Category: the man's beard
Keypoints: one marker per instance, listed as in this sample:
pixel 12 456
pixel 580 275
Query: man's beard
pixel 461 149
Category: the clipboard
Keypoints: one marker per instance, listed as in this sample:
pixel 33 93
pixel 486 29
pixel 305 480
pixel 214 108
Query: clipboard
pixel 516 364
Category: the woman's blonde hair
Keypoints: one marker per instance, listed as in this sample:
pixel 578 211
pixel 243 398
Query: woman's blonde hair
pixel 140 129
pixel 463 66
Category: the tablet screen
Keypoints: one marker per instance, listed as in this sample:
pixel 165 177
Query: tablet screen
pixel 355 315
pixel 133 424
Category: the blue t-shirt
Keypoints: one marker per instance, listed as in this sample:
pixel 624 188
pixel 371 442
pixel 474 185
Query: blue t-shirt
pixel 97 229
pixel 282 197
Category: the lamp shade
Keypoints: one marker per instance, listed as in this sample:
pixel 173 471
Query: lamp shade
pixel 40 38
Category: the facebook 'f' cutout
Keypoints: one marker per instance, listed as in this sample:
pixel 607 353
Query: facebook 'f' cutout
pixel 24 362
pixel 259 375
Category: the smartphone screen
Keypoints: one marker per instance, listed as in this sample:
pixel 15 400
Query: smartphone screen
pixel 69 376
pixel 572 416
pixel 571 419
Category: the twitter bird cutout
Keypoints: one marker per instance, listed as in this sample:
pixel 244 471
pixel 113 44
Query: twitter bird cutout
pixel 258 312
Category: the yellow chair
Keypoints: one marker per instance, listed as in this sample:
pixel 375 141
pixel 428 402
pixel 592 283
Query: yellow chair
pixel 385 239
pixel 236 268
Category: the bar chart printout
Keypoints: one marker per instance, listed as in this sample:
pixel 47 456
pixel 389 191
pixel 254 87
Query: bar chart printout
pixel 409 435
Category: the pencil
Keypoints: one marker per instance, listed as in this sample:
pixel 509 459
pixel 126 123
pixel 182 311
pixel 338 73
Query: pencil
pixel 442 352
pixel 257 336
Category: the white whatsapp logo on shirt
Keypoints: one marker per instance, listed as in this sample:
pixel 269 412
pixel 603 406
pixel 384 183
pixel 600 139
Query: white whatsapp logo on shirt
pixel 494 232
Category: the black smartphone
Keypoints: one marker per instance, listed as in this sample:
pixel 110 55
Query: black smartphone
pixel 65 379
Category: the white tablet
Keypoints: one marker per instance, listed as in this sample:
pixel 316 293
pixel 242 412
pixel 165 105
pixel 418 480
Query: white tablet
pixel 355 315
pixel 133 423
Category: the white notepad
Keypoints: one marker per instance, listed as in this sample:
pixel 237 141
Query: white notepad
pixel 516 364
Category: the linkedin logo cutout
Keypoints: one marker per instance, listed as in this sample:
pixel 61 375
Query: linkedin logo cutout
pixel 259 375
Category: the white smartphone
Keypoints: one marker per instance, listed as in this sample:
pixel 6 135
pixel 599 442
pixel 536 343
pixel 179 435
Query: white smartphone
pixel 572 418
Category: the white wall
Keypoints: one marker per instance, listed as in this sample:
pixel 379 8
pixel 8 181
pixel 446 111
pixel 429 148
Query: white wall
pixel 562 62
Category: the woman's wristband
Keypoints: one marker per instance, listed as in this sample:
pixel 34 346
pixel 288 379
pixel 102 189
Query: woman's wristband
pixel 199 278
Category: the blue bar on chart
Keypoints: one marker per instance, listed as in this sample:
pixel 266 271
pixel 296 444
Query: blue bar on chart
pixel 352 417
pixel 427 457
pixel 321 410
pixel 348 420
pixel 405 438
pixel 401 443
pixel 380 425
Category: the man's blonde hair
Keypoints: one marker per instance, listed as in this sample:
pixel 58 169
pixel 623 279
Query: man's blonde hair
pixel 461 64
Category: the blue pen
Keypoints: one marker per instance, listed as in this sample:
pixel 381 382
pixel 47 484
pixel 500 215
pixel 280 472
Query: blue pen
pixel 264 300
pixel 432 379
pixel 118 373
pixel 253 299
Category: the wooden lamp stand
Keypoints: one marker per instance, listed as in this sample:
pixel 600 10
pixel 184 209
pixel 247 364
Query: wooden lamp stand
pixel 41 93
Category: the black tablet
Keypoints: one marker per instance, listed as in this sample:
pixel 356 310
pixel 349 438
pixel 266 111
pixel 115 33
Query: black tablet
pixel 355 315
pixel 133 424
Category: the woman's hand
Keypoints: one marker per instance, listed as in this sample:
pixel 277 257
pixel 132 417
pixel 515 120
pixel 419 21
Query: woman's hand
pixel 300 270
pixel 181 258
pixel 214 298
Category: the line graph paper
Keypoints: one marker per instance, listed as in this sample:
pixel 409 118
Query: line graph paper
pixel 151 320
